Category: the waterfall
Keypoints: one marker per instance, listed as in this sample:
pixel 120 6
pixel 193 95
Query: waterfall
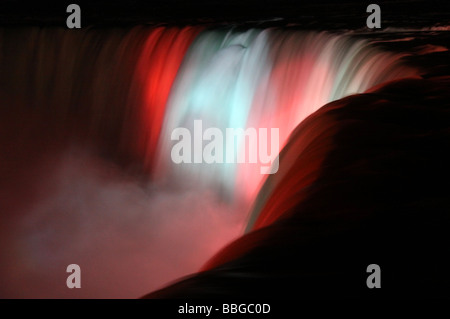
pixel 129 89
pixel 264 79
pixel 111 98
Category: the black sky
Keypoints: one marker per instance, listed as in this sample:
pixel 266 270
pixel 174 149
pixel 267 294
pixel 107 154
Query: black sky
pixel 318 14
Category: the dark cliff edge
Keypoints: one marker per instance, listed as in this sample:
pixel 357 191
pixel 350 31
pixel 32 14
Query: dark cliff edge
pixel 374 190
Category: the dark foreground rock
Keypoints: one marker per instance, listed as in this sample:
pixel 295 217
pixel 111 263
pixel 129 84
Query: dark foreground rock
pixel 362 181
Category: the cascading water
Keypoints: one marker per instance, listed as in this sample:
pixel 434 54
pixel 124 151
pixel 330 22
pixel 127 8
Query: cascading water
pixel 125 91
pixel 133 88
pixel 263 79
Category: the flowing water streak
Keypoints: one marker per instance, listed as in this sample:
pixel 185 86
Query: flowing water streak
pixel 127 89
pixel 109 86
pixel 264 79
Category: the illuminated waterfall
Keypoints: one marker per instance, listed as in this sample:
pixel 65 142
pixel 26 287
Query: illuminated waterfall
pixel 87 117
pixel 129 89
pixel 264 79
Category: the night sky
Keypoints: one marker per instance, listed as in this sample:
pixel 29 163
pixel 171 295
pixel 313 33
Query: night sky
pixel 322 14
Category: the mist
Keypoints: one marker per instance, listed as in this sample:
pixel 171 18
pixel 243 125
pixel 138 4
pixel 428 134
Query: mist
pixel 128 238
